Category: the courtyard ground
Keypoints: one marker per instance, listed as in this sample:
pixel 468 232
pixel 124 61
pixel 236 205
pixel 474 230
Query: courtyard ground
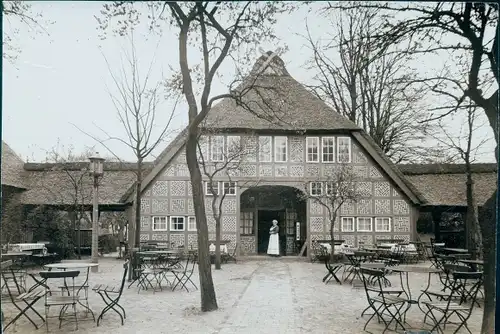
pixel 266 296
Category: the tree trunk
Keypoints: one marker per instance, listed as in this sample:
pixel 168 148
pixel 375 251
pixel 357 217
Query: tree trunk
pixel 138 185
pixel 208 298
pixel 472 221
pixel 332 225
pixel 488 231
pixel 217 243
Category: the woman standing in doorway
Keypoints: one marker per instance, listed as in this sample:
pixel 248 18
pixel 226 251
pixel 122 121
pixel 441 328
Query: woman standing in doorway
pixel 273 248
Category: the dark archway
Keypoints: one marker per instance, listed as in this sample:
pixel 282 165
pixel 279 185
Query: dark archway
pixel 260 205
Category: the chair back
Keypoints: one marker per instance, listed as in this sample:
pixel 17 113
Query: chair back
pixel 372 276
pixel 124 278
pixel 464 287
pixel 450 268
pixel 6 264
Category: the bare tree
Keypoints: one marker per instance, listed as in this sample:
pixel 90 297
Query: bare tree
pixel 469 29
pixel 332 192
pixel 218 30
pixel 226 164
pixel 137 104
pixel 368 87
pixel 467 150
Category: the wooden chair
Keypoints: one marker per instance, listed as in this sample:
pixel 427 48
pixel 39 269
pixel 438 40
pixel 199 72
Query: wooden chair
pixel 226 257
pixel 111 296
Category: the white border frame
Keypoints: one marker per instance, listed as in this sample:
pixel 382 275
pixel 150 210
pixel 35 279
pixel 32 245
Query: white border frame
pixel 334 150
pixel 310 188
pixel 188 229
pixel 209 193
pixel 171 223
pixel 224 192
pixel 307 150
pixel 390 224
pixel 342 224
pixel 371 224
pixel 153 225
pixel 212 148
pixel 350 150
pixel 270 148
pixel 286 148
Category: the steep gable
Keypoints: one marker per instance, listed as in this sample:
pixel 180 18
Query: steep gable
pixel 12 168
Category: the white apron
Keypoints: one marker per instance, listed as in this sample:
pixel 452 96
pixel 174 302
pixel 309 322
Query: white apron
pixel 274 245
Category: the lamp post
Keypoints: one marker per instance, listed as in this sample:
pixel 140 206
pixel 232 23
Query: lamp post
pixel 96 170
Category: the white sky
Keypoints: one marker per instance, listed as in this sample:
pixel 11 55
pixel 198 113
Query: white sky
pixel 61 79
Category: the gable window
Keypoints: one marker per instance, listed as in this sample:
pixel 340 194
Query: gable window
pixel 229 188
pixel 347 224
pixel 265 148
pixel 344 149
pixel 211 188
pixel 159 223
pixel 177 223
pixel 316 188
pixel 280 149
pixel 382 224
pixel 191 223
pixel 330 188
pixel 246 223
pixel 364 224
pixel 203 149
pixel 328 149
pixel 217 148
pixel 234 149
pixel 312 144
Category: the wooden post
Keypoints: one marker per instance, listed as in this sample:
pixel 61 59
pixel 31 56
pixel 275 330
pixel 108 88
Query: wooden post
pixel 304 246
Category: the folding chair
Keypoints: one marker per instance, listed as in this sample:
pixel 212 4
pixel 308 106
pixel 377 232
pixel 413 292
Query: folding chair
pixel 332 269
pixel 183 276
pixel 449 308
pixel 382 303
pixel 17 295
pixel 111 296
pixel 228 257
pixel 64 300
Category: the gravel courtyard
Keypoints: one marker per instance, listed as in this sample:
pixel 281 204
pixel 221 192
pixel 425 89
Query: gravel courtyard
pixel 267 296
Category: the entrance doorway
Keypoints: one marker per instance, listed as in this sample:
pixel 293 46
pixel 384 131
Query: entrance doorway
pixel 265 221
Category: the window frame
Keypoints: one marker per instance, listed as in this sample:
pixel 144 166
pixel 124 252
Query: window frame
pixel 357 224
pixel 276 138
pixel 203 148
pixel 237 155
pixel 310 146
pixel 159 229
pixel 224 188
pixel 311 189
pixel 378 219
pixel 172 224
pixel 189 224
pixel 270 153
pixel 342 224
pixel 323 147
pixel 212 146
pixel 208 192
pixel 243 226
pixel 339 139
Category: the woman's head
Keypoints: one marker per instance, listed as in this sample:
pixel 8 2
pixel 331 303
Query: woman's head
pixel 275 222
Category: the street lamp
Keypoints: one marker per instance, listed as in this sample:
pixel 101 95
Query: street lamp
pixel 96 170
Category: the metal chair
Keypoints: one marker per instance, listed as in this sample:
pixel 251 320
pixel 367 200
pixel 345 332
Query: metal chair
pixel 332 269
pixel 111 296
pixel 183 276
pixel 64 300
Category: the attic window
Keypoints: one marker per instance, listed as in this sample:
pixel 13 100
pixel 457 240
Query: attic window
pixel 344 149
pixel 312 149
pixel 217 148
pixel 328 149
pixel 280 149
pixel 233 148
pixel 265 149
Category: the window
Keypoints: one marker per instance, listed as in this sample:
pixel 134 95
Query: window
pixel 246 223
pixel 347 224
pixel 330 188
pixel 233 148
pixel 316 188
pixel 364 224
pixel 328 149
pixel 312 144
pixel 217 148
pixel 229 188
pixel 344 149
pixel 291 219
pixel 191 223
pixel 382 224
pixel 265 148
pixel 280 149
pixel 203 148
pixel 159 223
pixel 177 223
pixel 212 187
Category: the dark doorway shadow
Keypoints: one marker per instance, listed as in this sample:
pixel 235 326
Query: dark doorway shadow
pixel 264 224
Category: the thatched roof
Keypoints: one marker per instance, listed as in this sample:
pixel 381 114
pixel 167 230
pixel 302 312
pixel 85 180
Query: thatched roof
pixel 62 184
pixel 273 100
pixel 12 168
pixel 445 184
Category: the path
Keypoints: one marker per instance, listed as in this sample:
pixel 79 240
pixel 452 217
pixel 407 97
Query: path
pixel 266 305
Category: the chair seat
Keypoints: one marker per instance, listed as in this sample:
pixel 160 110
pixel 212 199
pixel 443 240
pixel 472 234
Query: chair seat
pixel 154 271
pixel 388 299
pixel 451 307
pixel 83 286
pixel 61 300
pixel 392 291
pixel 437 294
pixel 106 288
pixel 32 294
